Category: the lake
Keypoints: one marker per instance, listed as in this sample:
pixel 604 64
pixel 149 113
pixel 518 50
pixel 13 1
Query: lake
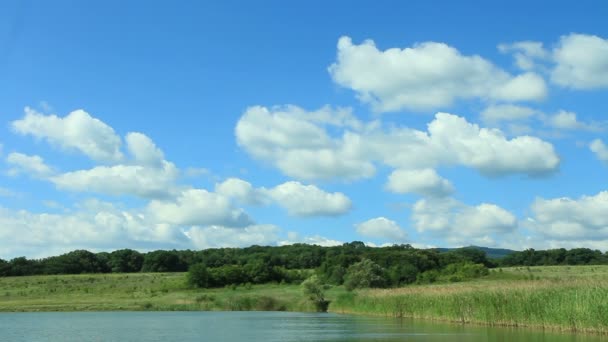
pixel 248 326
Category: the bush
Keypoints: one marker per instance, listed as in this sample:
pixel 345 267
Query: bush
pixel 314 290
pixel 198 276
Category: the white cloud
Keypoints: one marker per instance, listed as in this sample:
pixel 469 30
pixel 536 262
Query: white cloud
pixel 463 224
pixel 581 62
pixel 574 220
pixel 136 180
pixel 31 165
pixel 488 150
pixel 600 149
pixel 450 140
pixel 143 149
pixel 298 199
pixel 78 130
pixel 308 200
pixel 219 236
pixel 506 112
pixel 568 121
pixel 293 238
pixel 526 53
pixel 424 182
pixel 381 227
pixel 95 227
pixel 198 207
pixel 426 76
pixel 520 117
pixel 240 190
pixel 297 142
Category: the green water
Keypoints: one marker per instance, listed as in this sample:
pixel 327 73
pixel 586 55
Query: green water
pixel 247 326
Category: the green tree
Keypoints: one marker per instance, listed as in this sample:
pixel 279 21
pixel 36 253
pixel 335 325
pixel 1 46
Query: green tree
pixel 364 274
pixel 4 268
pixel 314 291
pixel 126 260
pixel 198 275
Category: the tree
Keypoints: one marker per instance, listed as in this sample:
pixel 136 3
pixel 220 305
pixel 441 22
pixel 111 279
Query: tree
pixel 4 268
pixel 126 260
pixel 403 273
pixel 314 291
pixel 364 274
pixel 162 261
pixel 198 275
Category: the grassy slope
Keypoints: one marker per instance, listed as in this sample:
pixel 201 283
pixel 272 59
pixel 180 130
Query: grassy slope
pixel 561 297
pixel 141 291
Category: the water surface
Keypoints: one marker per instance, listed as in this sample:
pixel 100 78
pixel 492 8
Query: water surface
pixel 248 326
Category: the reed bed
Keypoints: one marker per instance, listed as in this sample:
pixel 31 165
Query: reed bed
pixel 578 303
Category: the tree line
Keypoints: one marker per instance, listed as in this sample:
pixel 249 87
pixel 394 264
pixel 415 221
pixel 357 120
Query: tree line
pixel 351 264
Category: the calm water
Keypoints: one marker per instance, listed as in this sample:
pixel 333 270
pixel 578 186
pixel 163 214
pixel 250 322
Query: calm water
pixel 246 326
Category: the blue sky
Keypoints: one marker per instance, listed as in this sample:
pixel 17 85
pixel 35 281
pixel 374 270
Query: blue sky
pixel 205 124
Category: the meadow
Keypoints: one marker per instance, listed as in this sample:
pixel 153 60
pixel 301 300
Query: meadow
pixel 143 291
pixel 567 298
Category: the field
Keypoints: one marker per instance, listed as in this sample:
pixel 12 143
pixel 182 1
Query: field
pixel 142 291
pixel 563 298
pixel 568 298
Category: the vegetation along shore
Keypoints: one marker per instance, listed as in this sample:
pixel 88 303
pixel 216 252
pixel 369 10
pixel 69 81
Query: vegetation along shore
pixel 557 289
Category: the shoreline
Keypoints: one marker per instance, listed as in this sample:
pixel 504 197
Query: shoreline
pixel 559 299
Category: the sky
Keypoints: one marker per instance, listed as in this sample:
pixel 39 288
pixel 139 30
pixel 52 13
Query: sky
pixel 191 125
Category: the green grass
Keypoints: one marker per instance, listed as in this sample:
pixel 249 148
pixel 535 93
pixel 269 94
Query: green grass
pixel 142 291
pixel 567 298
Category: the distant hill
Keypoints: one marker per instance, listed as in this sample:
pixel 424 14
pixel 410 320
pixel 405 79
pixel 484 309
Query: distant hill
pixel 494 253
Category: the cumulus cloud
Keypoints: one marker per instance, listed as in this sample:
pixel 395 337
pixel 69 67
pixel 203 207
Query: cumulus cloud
pixel 425 76
pixel 78 130
pixel 351 153
pixel 143 149
pixel 600 149
pixel 463 224
pixel 568 121
pixel 308 200
pixel 577 61
pixel 520 119
pixel 297 142
pixel 298 199
pixel 30 165
pixel 381 227
pixel 574 220
pixel 526 53
pixel 135 180
pixel 198 207
pixel 453 141
pixel 94 227
pixel 240 190
pixel 219 236
pixel 424 182
pixel 581 62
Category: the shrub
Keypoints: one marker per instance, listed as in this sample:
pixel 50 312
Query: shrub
pixel 314 290
pixel 198 276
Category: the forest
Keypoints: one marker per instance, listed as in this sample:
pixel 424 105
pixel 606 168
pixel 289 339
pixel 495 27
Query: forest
pixel 352 264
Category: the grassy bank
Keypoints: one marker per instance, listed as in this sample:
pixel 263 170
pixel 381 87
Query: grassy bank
pixel 142 291
pixel 562 298
pixel 568 298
